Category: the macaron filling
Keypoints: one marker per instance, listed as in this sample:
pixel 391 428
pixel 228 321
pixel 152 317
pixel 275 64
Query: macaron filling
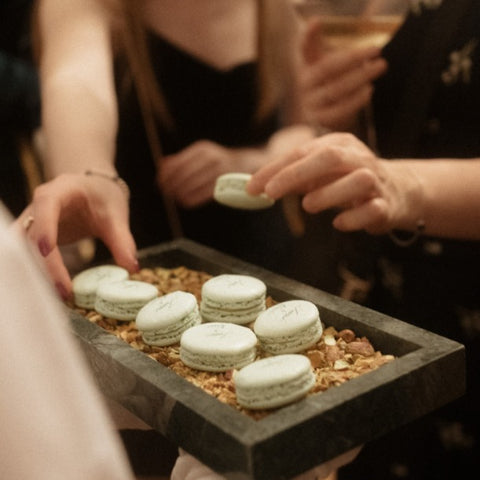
pixel 292 343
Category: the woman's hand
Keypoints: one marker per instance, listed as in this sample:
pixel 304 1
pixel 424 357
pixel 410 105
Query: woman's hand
pixel 189 176
pixel 339 171
pixel 335 83
pixel 76 206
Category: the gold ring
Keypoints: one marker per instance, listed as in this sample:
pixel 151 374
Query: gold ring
pixel 27 223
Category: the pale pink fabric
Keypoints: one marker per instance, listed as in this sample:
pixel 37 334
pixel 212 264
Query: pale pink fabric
pixel 189 468
pixel 53 423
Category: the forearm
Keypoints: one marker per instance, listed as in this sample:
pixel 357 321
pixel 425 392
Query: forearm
pixel 79 129
pixel 79 111
pixel 449 203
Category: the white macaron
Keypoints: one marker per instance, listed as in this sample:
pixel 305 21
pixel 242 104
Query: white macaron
pixel 85 283
pixel 230 190
pixel 274 381
pixel 218 347
pixel 163 320
pixel 232 298
pixel 123 300
pixel 289 327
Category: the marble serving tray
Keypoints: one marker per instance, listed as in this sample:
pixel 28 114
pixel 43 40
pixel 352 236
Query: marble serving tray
pixel 428 373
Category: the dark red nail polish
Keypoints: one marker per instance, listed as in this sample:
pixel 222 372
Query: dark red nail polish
pixel 44 246
pixel 62 291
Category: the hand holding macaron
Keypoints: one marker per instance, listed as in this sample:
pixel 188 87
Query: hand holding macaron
pixel 339 171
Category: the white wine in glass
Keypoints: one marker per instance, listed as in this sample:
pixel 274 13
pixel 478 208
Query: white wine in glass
pixel 356 24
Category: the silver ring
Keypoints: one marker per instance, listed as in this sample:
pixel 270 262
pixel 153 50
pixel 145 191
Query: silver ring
pixel 27 223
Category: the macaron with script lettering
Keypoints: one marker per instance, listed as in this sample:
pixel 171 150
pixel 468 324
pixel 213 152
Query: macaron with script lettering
pixel 230 190
pixel 123 300
pixel 163 320
pixel 85 283
pixel 218 347
pixel 288 327
pixel 274 381
pixel 232 298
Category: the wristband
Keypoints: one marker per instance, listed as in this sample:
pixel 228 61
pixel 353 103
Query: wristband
pixel 113 178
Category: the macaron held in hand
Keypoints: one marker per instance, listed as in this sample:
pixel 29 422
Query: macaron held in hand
pixel 230 190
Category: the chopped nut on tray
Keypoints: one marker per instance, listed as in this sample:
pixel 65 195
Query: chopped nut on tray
pixel 336 358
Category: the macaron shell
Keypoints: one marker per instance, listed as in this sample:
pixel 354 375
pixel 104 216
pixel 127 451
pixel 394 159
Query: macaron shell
pixel 165 310
pixel 218 346
pixel 288 327
pixel 286 318
pixel 86 283
pixel 163 320
pixel 230 190
pixel 238 291
pixel 123 300
pixel 274 381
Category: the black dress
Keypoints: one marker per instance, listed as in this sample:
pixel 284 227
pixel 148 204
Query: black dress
pixel 427 106
pixel 205 103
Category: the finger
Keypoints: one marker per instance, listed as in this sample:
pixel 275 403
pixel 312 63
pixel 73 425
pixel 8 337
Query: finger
pixel 169 169
pixel 338 115
pixel 118 239
pixel 186 170
pixel 59 274
pixel 355 79
pixel 321 163
pixel 257 183
pixel 339 61
pixel 196 197
pixel 312 44
pixel 354 188
pixel 45 209
pixel 199 178
pixel 371 216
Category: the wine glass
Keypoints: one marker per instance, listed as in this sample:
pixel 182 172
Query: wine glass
pixel 356 24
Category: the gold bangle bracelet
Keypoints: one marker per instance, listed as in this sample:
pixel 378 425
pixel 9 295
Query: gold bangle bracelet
pixel 113 178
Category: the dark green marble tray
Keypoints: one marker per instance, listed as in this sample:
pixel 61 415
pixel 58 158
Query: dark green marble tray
pixel 428 373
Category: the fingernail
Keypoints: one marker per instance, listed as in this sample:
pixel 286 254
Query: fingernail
pixel 136 266
pixel 44 246
pixel 62 291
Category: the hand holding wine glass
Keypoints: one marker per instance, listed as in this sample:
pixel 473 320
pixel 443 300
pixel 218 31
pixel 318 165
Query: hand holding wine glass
pixel 342 58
